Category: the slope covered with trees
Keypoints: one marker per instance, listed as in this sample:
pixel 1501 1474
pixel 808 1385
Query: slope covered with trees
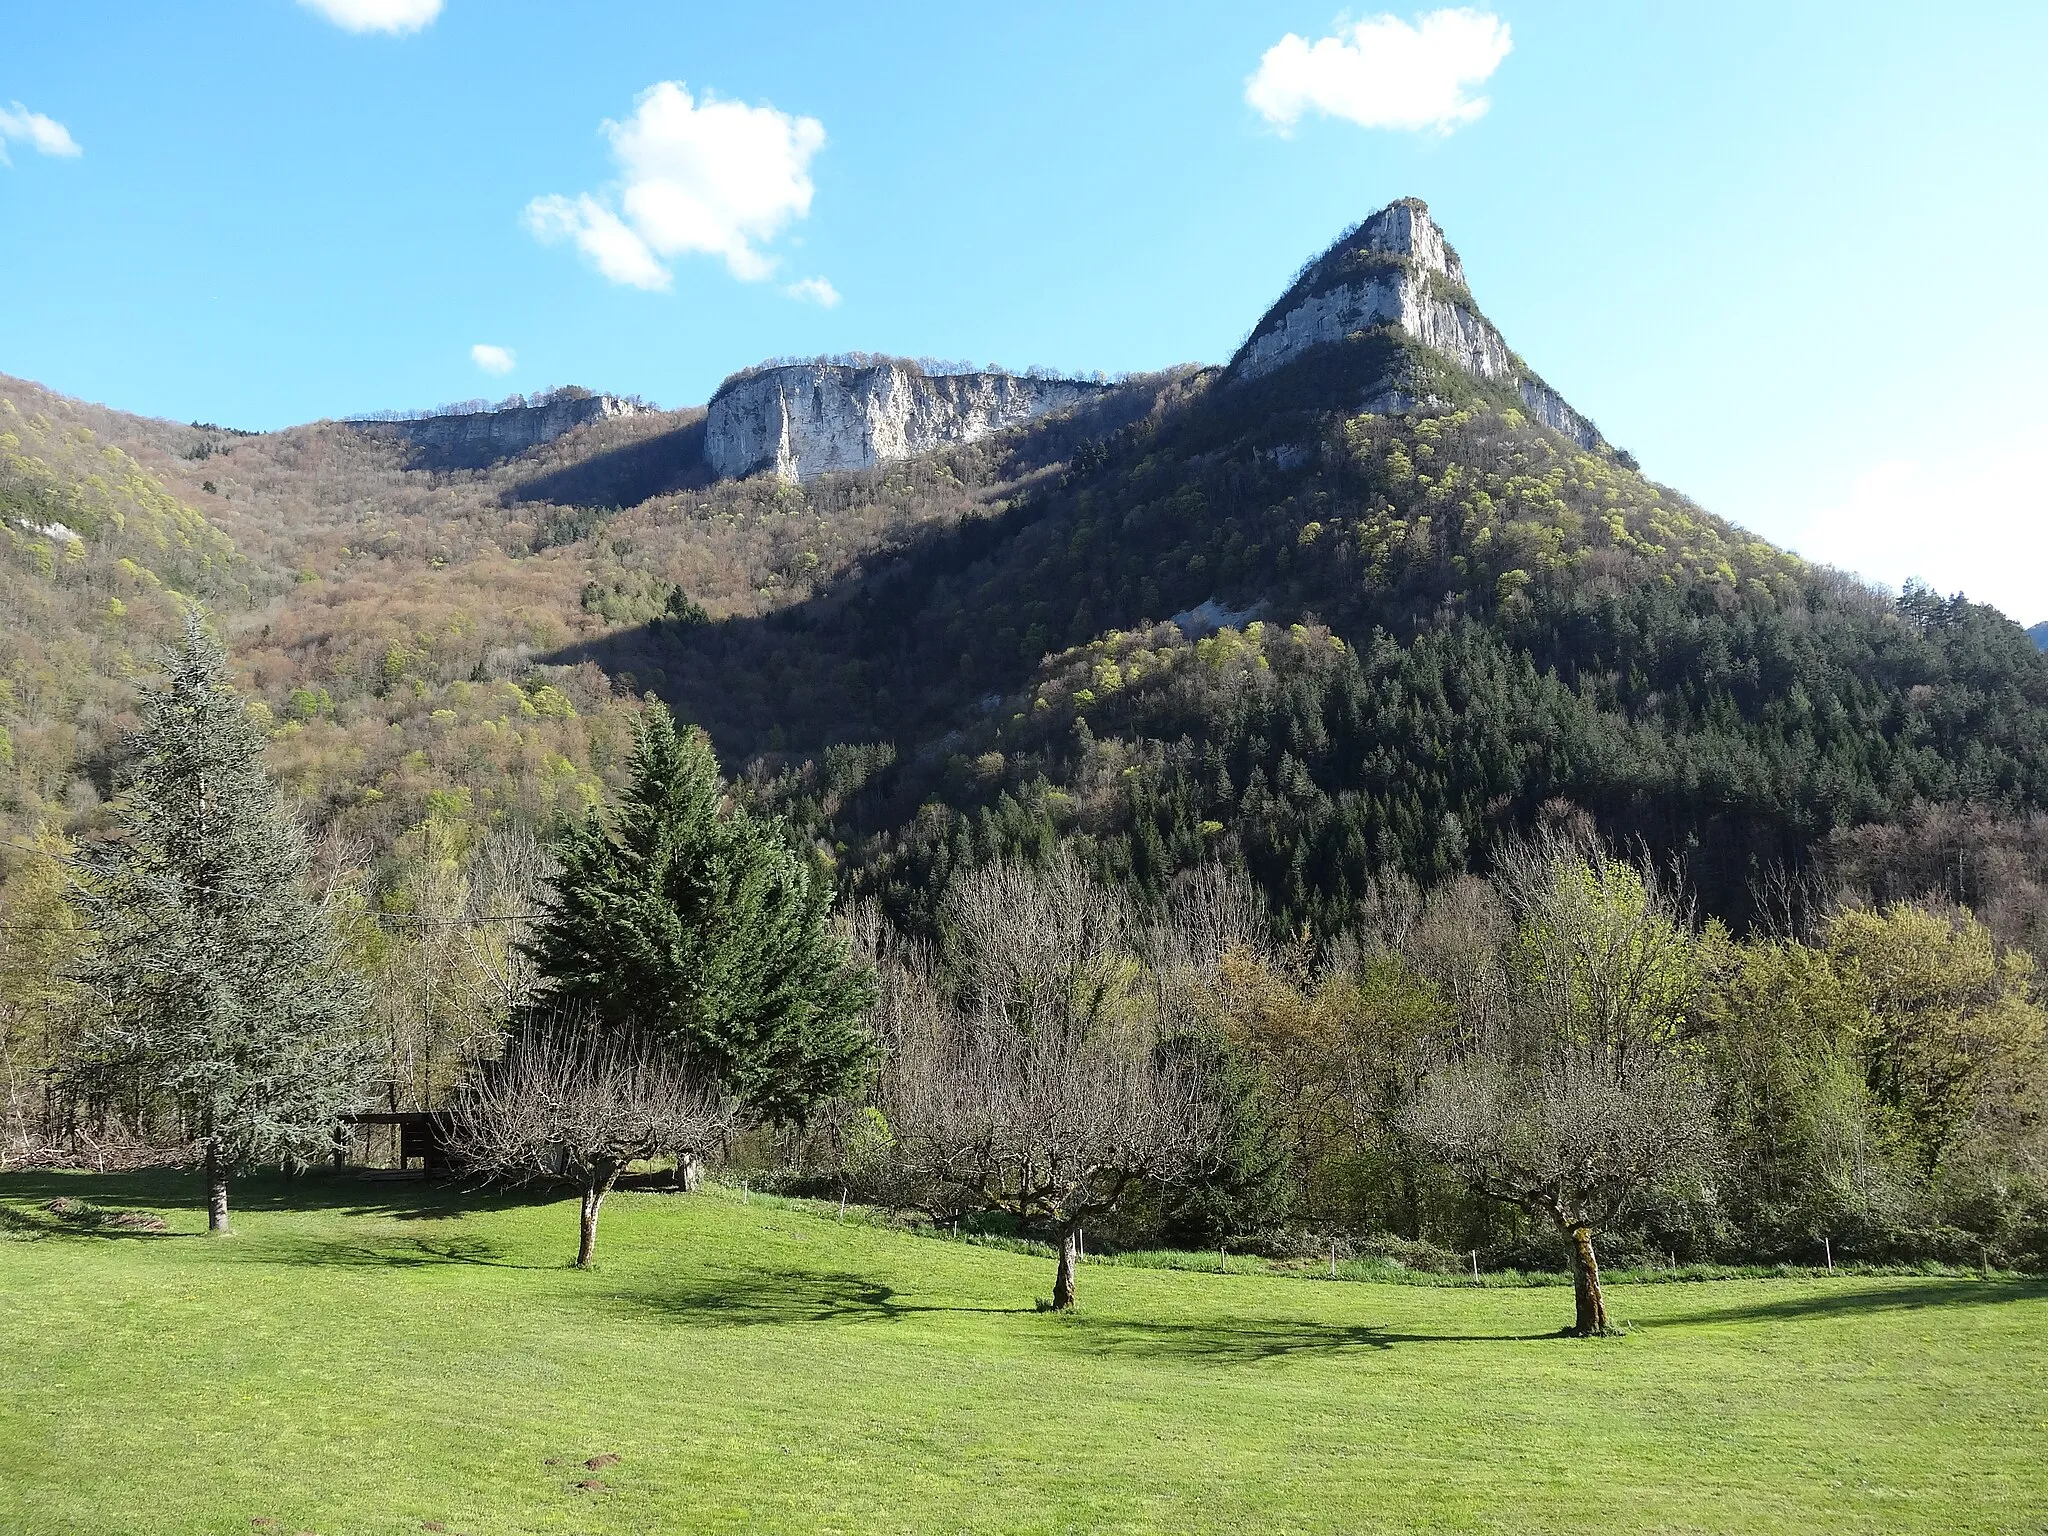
pixel 1202 619
pixel 1461 616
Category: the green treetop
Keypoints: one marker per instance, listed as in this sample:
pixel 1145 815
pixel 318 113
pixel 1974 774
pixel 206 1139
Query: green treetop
pixel 687 916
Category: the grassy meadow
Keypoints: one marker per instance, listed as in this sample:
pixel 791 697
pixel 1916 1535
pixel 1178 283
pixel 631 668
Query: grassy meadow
pixel 367 1356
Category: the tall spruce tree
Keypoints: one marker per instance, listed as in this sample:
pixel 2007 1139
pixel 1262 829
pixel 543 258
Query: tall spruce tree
pixel 217 972
pixel 686 916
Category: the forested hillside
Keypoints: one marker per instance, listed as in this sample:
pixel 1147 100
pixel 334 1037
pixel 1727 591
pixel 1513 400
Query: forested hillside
pixel 1403 632
pixel 1445 620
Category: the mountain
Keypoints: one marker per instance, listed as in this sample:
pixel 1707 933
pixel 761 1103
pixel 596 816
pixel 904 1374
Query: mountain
pixel 2039 635
pixel 1421 602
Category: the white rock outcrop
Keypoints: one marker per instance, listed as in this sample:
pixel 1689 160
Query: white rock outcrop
pixel 483 437
pixel 800 420
pixel 1397 270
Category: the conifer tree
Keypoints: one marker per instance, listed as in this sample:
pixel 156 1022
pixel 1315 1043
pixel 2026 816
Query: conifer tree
pixel 216 971
pixel 690 918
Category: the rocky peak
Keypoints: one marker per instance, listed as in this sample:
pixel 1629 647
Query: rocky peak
pixel 1405 228
pixel 1397 272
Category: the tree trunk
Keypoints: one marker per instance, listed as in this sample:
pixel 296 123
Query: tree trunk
pixel 600 1184
pixel 1590 1304
pixel 1070 1257
pixel 216 1193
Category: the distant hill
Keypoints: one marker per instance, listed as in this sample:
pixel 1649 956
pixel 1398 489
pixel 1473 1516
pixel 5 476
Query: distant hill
pixel 1448 604
pixel 2039 634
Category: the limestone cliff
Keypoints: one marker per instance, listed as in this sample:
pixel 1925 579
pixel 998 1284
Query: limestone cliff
pixel 474 439
pixel 1397 271
pixel 805 419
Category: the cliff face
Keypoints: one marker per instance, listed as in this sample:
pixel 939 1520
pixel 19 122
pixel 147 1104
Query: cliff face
pixel 1397 270
pixel 809 418
pixel 483 437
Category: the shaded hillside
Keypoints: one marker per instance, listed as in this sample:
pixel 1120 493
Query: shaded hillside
pixel 396 623
pixel 1494 618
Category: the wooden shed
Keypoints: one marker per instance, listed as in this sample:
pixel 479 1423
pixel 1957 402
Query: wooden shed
pixel 422 1134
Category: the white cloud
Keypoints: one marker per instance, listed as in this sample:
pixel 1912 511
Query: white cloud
pixel 1384 72
pixel 45 135
pixel 1979 527
pixel 394 16
pixel 814 290
pixel 715 178
pixel 493 359
pixel 619 253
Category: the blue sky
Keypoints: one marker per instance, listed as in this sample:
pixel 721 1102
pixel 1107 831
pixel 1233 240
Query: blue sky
pixel 1789 255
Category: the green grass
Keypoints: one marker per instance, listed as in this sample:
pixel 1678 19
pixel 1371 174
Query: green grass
pixel 367 1356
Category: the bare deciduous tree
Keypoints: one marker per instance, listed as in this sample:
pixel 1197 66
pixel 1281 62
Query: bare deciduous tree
pixel 1569 1090
pixel 508 882
pixel 1044 1084
pixel 1211 911
pixel 569 1101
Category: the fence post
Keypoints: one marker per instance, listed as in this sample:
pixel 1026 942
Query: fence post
pixel 1828 1248
pixel 1475 1266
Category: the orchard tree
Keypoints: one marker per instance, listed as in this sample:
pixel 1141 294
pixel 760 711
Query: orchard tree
pixel 685 916
pixel 567 1100
pixel 1569 1088
pixel 1043 1080
pixel 216 973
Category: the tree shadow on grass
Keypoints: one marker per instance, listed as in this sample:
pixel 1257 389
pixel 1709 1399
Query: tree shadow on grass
pixel 1843 1299
pixel 348 1192
pixel 1250 1340
pixel 52 1219
pixel 407 1253
pixel 791 1297
pixel 758 1296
